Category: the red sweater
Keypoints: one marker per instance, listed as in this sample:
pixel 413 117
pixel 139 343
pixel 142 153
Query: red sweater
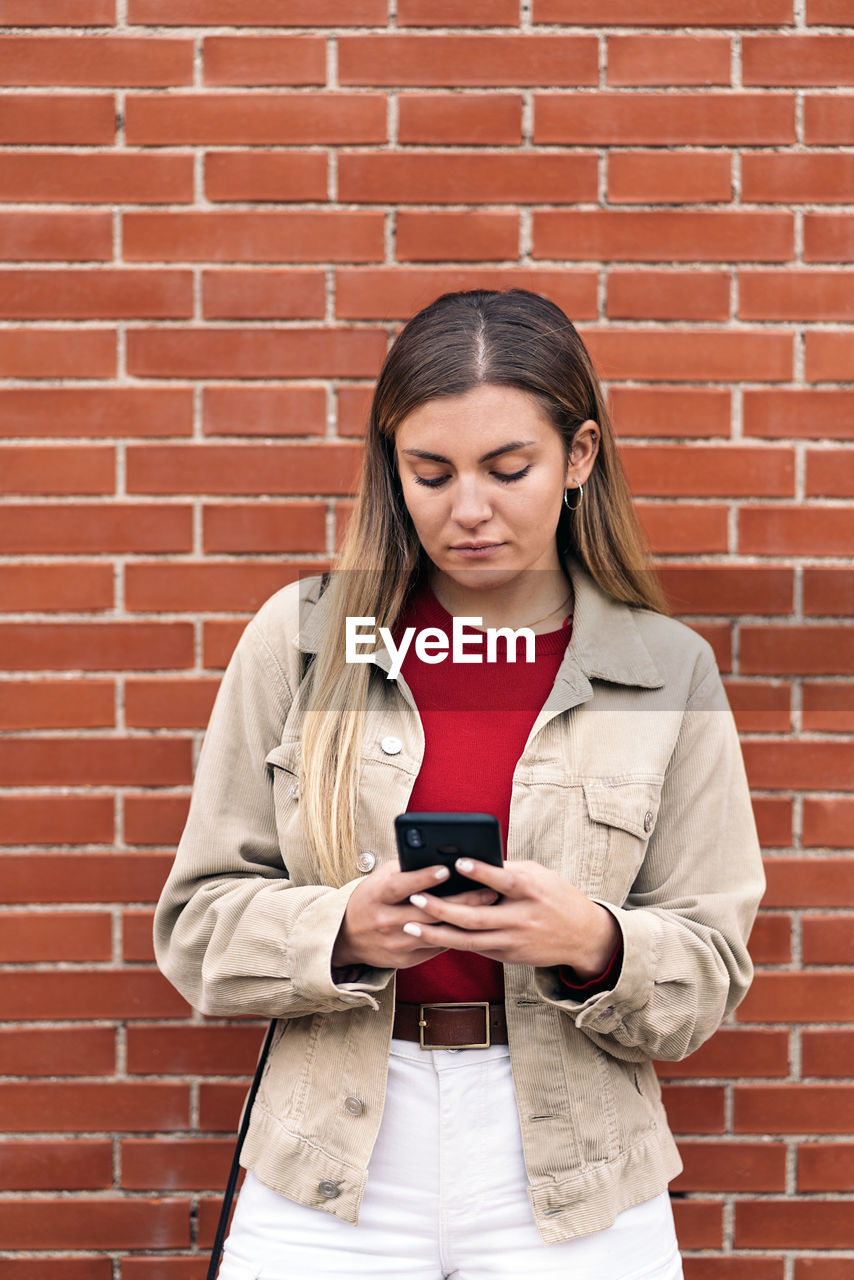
pixel 476 718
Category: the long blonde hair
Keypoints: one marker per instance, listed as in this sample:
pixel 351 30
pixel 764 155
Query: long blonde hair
pixel 461 341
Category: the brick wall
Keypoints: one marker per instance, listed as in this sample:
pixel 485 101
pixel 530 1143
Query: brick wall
pixel 214 213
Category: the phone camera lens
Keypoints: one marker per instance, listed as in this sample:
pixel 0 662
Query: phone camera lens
pixel 413 838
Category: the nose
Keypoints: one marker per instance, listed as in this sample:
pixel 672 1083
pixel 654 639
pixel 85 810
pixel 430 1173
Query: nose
pixel 471 503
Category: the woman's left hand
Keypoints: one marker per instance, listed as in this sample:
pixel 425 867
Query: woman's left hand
pixel 541 920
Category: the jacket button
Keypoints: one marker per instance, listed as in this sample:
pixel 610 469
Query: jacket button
pixel 647 821
pixel 354 1106
pixel 329 1190
pixel 391 745
pixel 366 861
pixel 294 792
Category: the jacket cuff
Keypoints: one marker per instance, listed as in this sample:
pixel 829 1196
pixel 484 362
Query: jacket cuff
pixel 309 957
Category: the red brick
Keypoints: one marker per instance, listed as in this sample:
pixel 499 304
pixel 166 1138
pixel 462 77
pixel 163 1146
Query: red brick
pixel 664 470
pixel 830 473
pixel 96 411
pixel 829 823
pixel 449 13
pixel 76 588
pixel 95 295
pixel 255 295
pixel 798 997
pixel 466 177
pixel 771 940
pixel 95 993
pixel 797 650
pixel 149 1164
pixel 80 119
pixel 710 589
pixel 731 1052
pixel 56 1166
pixel 27 937
pixel 353 404
pixel 673 528
pixel 137 937
pixel 649 177
pixel 193 1051
pixel 829 357
pixel 235 236
pixel 828 119
pixel 469 120
pixel 51 236
pixel 94 1224
pixel 57 469
pixel 668 60
pixel 794 1224
pixel 664 13
pixel 724 1268
pixel 182 1268
pixel 828 237
pixel 670 411
pixel 663 236
pixel 699 1224
pixel 55 819
pixel 803 413
pixel 826 1166
pixel 257 60
pixel 219 640
pixel 773 821
pixel 798 60
pixel 285 177
pixel 798 179
pixel 96 646
pixel 49 1268
pixel 694 1108
pixel 828 707
pixel 803 766
pixel 759 707
pixel 829 591
pixel 461 60
pixel 96 178
pixel 95 761
pixel 799 531
pixel 668 295
pixel 473 236
pixel 732 1166
pixel 258 118
pixel 57 704
pixel 219 1106
pixel 367 293
pixel 808 882
pixel 719 636
pixel 793 1108
pixel 96 60
pixel 690 355
pixel 834 13
pixel 709 119
pixel 227 586
pixel 826 1053
pixel 261 13
pixel 84 877
pixel 39 528
pixel 53 13
pixel 829 939
pixel 264 411
pixel 154 819
pixel 262 469
pixel 58 1051
pixel 55 353
pixel 796 295
pixel 269 526
pixel 255 353
pixel 822 1268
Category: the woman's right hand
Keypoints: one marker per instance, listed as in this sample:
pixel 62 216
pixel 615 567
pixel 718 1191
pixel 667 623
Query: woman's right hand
pixel 371 932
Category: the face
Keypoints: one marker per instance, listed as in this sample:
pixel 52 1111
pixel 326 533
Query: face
pixel 483 477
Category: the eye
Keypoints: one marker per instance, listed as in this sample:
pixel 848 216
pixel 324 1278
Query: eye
pixel 433 483
pixel 509 477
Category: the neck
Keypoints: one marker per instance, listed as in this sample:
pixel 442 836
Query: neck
pixel 538 600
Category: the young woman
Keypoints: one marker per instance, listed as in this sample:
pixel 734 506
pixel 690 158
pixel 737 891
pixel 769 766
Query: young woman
pixel 463 1086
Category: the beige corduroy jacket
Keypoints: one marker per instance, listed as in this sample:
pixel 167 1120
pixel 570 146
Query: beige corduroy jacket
pixel 631 784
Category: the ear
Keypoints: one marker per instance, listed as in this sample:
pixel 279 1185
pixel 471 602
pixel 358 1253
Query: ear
pixel 582 455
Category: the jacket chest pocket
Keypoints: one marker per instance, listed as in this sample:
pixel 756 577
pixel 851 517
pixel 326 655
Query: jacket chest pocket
pixel 619 817
pixel 283 763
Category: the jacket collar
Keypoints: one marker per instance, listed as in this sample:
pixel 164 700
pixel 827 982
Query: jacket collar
pixel 606 642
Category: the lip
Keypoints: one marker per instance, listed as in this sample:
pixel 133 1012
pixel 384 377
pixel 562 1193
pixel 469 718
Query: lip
pixel 477 550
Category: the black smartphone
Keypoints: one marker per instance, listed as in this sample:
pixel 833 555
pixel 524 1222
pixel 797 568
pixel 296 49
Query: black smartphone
pixel 433 839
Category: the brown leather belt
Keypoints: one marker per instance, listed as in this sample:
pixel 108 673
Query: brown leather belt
pixel 473 1025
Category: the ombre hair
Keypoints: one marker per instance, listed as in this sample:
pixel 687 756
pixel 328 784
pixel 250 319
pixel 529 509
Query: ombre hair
pixel 461 341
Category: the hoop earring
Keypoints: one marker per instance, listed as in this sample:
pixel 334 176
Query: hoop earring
pixel 580 498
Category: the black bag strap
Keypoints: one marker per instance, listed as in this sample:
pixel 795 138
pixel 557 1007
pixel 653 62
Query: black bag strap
pixel 234 1173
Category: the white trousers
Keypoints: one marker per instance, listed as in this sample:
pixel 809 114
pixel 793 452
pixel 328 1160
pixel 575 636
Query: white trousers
pixel 445 1198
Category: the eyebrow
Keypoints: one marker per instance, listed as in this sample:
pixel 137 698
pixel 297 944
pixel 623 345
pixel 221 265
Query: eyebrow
pixel 493 453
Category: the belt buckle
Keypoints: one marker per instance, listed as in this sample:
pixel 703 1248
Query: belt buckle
pixel 464 1004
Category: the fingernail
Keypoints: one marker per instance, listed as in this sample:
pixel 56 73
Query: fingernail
pixel 413 929
pixel 418 900
pixel 464 865
pixel 441 873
